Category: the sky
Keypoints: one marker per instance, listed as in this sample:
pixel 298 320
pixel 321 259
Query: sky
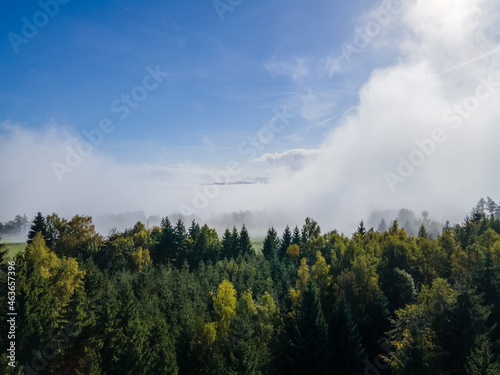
pixel 324 109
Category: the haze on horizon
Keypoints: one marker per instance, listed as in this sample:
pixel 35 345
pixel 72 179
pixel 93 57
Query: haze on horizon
pixel 330 111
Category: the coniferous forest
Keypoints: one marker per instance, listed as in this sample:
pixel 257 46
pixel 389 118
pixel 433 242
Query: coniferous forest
pixel 180 299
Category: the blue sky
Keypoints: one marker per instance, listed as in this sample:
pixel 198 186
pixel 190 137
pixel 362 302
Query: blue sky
pixel 92 52
pixel 350 144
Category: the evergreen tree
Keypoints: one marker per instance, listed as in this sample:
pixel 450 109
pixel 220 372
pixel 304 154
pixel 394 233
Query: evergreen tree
pixel 348 352
pixel 478 212
pixel 394 228
pixel 4 250
pixel 181 243
pixel 245 244
pixel 361 229
pixel 194 231
pixel 481 360
pixel 296 240
pixel 165 250
pixel 491 207
pixel 466 323
pixel 235 242
pixel 271 245
pixel 310 230
pixel 39 225
pixel 35 304
pixel 311 343
pixel 227 244
pixel 286 241
pixel 422 232
pixel 382 226
pixel 447 226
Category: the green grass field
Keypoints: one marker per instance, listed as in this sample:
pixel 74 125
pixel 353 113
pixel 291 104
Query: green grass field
pixel 257 245
pixel 14 248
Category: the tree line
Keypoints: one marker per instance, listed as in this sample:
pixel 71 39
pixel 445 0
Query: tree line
pixel 182 300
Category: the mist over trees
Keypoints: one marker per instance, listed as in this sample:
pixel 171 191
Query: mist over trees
pixel 179 298
pixel 15 228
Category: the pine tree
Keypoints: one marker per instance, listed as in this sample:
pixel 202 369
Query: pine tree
pixel 382 226
pixel 227 244
pixel 271 244
pixel 235 242
pixel 39 225
pixel 194 231
pixel 285 242
pixel 296 240
pixel 37 318
pixel 481 360
pixel 162 358
pixel 348 352
pixel 245 244
pixel 491 207
pixel 394 228
pixel 311 341
pixel 466 324
pixel 447 226
pixel 361 229
pixel 479 211
pixel 165 250
pixel 422 232
pixel 310 230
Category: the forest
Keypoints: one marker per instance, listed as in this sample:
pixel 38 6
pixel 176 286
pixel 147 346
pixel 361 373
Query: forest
pixel 180 299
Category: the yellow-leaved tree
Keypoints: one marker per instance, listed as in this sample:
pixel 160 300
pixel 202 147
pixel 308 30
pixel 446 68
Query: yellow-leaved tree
pixel 141 258
pixel 225 306
pixel 63 274
pixel 320 273
pixel 293 251
pixel 301 283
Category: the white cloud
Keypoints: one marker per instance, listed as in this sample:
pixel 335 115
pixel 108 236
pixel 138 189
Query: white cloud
pixel 97 186
pixel 404 103
pixel 398 106
pixel 294 159
pixel 341 181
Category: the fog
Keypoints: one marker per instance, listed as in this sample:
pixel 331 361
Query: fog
pixel 424 136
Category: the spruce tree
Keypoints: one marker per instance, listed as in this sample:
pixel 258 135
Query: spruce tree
pixel 296 240
pixel 422 232
pixel 165 250
pixel 245 244
pixel 285 242
pixel 271 244
pixel 180 242
pixel 311 344
pixel 491 207
pixel 194 231
pixel 348 352
pixel 235 242
pixel 361 229
pixel 382 226
pixel 39 225
pixel 227 244
pixel 481 361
